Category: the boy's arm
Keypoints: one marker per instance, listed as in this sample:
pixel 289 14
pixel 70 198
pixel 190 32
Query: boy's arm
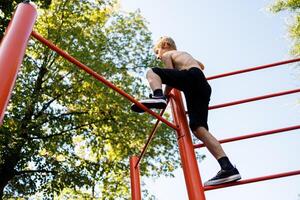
pixel 167 60
pixel 200 64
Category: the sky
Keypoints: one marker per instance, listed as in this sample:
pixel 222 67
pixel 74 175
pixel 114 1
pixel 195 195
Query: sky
pixel 227 36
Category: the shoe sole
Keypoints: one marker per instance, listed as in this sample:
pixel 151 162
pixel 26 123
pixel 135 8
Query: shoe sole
pixel 150 103
pixel 223 180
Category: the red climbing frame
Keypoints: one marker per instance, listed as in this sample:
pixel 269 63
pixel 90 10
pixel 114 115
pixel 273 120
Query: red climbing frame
pixel 12 50
pixel 11 55
pixel 194 188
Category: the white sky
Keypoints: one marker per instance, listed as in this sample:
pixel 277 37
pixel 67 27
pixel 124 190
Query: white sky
pixel 227 36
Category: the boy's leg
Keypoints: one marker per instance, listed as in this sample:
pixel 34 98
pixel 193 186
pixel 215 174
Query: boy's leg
pixel 157 100
pixel 156 77
pixel 228 172
pixel 210 142
pixel 171 77
pixel 154 80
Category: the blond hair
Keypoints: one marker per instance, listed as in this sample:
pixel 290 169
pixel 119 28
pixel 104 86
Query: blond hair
pixel 165 40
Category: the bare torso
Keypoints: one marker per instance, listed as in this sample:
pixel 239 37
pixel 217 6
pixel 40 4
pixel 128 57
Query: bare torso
pixel 182 60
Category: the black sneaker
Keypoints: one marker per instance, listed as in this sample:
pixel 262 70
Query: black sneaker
pixel 224 176
pixel 158 102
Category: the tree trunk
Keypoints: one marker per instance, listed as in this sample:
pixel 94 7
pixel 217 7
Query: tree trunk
pixel 12 156
pixel 7 169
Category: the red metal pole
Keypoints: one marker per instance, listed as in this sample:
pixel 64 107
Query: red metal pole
pixel 252 180
pixel 255 99
pixel 12 50
pixel 188 159
pixel 254 68
pixel 99 77
pixel 150 138
pixel 135 179
pixel 243 137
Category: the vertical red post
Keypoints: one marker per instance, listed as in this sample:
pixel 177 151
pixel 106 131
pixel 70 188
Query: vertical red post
pixel 12 50
pixel 135 179
pixel 188 159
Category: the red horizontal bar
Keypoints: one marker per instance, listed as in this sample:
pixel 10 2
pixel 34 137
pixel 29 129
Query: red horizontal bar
pixel 99 77
pixel 254 135
pixel 252 180
pixel 149 139
pixel 254 99
pixel 254 68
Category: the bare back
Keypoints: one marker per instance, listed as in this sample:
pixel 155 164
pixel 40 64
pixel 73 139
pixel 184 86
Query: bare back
pixel 183 60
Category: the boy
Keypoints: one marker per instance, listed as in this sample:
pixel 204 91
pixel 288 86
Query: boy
pixel 183 72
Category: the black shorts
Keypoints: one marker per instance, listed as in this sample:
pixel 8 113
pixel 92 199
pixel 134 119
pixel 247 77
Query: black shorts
pixel 196 89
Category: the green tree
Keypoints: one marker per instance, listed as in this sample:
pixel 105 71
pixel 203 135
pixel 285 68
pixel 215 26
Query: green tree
pixel 294 27
pixel 7 8
pixel 66 134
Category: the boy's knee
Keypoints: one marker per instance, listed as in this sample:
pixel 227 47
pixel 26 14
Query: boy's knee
pixel 150 73
pixel 200 132
pixel 196 124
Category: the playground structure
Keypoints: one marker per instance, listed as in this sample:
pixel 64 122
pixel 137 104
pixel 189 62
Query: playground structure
pixel 12 51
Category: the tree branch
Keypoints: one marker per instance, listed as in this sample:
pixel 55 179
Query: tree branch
pixel 62 132
pixel 17 173
pixel 46 105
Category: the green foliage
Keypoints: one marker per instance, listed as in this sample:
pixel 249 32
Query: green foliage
pixel 67 135
pixel 280 5
pixel 294 27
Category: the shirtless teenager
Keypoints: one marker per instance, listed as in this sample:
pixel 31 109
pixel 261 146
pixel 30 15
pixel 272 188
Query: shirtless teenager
pixel 183 72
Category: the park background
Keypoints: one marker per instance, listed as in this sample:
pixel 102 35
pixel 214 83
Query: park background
pixel 66 136
pixel 227 36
